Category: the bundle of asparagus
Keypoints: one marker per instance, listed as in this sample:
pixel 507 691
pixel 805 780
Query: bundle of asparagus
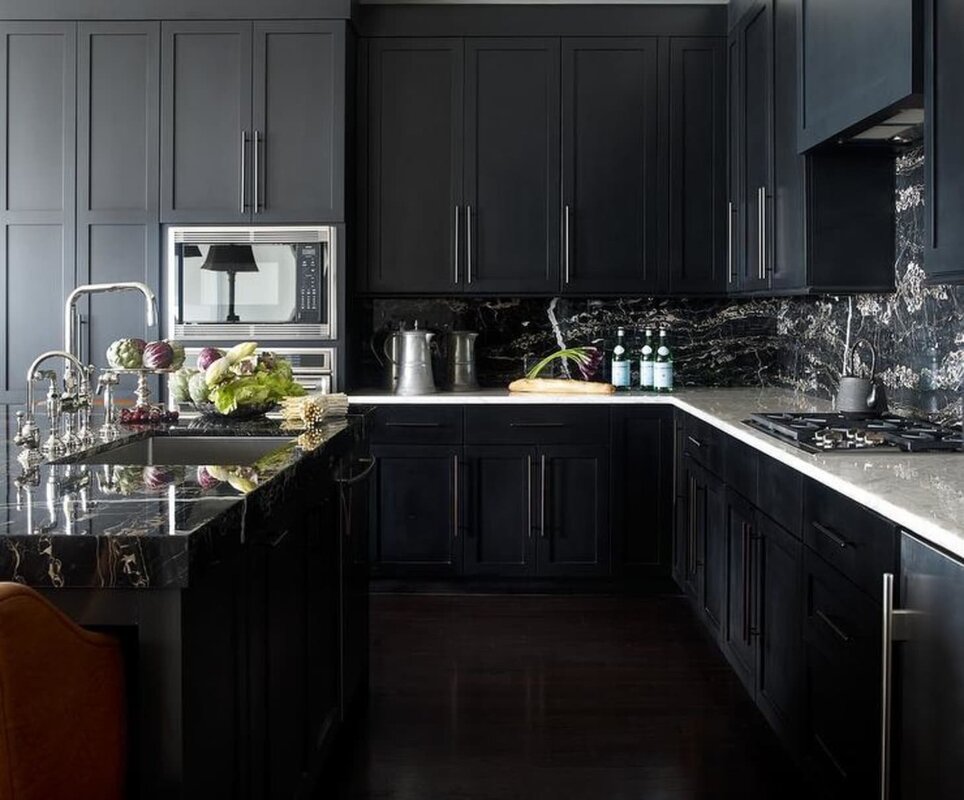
pixel 313 409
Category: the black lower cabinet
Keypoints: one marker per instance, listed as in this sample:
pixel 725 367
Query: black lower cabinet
pixel 573 505
pixel 415 513
pixel 500 510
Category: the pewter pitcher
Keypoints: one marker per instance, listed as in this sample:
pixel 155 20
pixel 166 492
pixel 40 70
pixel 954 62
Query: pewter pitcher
pixel 414 362
pixel 461 361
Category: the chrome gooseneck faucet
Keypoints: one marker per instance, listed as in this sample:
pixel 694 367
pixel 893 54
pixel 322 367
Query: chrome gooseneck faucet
pixel 70 317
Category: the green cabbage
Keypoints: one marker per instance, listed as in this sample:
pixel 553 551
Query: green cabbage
pixel 179 385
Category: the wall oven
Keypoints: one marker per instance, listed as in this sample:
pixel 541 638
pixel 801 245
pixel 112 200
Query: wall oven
pixel 259 283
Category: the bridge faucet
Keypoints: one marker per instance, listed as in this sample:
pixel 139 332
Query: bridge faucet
pixel 70 326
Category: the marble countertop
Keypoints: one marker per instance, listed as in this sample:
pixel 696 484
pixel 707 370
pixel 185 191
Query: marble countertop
pixel 117 526
pixel 921 492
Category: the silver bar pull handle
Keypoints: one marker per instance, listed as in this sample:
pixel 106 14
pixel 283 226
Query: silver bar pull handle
pixel 455 496
pixel 765 258
pixel 529 496
pixel 759 233
pixel 242 205
pixel 456 254
pixel 565 244
pixel 542 501
pixel 468 244
pixel 729 242
pixel 886 653
pixel 256 150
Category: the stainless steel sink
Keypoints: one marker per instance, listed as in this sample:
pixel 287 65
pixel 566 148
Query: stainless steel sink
pixel 241 451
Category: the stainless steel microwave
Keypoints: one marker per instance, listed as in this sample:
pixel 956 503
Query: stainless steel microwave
pixel 261 283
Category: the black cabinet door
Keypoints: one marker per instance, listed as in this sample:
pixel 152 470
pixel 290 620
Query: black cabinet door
pixel 610 157
pixel 740 633
pixel 929 682
pixel 642 490
pixel 944 201
pixel 299 122
pixel 206 122
pixel 415 510
pixel 573 510
pixel 117 176
pixel 690 532
pixel 735 213
pixel 711 533
pixel 37 196
pixel 500 521
pixel 697 166
pixel 511 165
pixel 779 677
pixel 415 166
pixel 757 50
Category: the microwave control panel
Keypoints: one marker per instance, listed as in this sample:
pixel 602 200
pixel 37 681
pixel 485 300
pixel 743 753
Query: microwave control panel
pixel 310 282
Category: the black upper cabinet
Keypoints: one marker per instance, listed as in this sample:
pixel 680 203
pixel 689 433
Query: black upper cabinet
pixel 414 130
pixel 860 62
pixel 943 86
pixel 697 176
pixel 252 121
pixel 511 174
pixel 610 157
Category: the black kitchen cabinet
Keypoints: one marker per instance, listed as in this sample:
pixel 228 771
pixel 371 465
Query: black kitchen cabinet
pixel 573 505
pixel 501 510
pixel 252 121
pixel 118 131
pixel 642 490
pixel 779 670
pixel 610 158
pixel 414 165
pixel 944 145
pixel 511 172
pixel 859 62
pixel 741 629
pixel 415 510
pixel 697 166
pixel 37 198
pixel 927 699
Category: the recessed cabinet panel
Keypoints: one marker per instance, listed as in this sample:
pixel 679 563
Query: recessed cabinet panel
pixel 299 89
pixel 415 166
pixel 206 122
pixel 512 165
pixel 610 155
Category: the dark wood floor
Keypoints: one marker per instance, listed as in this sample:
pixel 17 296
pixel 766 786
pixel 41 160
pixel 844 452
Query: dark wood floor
pixel 564 698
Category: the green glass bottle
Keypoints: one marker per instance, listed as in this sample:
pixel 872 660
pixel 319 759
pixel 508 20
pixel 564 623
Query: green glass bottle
pixel 647 359
pixel 620 362
pixel 663 368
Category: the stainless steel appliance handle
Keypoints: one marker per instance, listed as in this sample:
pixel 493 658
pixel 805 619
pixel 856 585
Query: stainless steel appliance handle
pixel 565 243
pixel 256 166
pixel 729 242
pixel 529 495
pixel 542 501
pixel 886 679
pixel 468 244
pixel 243 178
pixel 455 495
pixel 456 259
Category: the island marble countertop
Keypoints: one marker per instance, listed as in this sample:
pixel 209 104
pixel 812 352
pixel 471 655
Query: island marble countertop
pixel 921 492
pixel 109 526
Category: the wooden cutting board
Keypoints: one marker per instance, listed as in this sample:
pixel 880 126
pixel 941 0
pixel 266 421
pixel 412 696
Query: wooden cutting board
pixel 560 386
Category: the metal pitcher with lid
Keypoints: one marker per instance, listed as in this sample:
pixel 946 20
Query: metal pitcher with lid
pixel 461 361
pixel 411 353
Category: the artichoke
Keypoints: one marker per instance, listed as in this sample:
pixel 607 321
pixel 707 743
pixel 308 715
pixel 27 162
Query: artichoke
pixel 197 388
pixel 178 350
pixel 126 354
pixel 179 385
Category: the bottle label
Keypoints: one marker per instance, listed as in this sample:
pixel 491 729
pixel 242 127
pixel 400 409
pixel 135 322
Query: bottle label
pixel 619 350
pixel 647 350
pixel 663 375
pixel 663 350
pixel 621 373
pixel 646 374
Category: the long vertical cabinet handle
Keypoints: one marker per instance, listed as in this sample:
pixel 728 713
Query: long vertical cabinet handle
pixel 242 182
pixel 256 166
pixel 886 679
pixel 456 253
pixel 565 243
pixel 468 244
pixel 529 495
pixel 455 495
pixel 761 235
pixel 692 526
pixel 746 582
pixel 765 263
pixel 542 500
pixel 729 242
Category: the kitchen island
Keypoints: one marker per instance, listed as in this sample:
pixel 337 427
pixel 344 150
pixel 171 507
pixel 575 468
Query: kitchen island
pixel 237 591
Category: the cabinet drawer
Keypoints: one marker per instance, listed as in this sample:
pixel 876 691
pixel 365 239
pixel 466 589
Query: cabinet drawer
pixel 417 425
pixel 703 443
pixel 853 539
pixel 780 494
pixel 536 425
pixel 740 467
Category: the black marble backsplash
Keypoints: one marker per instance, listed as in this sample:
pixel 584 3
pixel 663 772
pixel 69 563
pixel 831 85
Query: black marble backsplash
pixel 795 342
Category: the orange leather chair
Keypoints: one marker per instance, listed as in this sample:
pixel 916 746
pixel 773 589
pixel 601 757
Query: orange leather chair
pixel 62 728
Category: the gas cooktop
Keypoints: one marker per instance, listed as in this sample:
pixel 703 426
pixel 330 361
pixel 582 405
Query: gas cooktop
pixel 819 433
